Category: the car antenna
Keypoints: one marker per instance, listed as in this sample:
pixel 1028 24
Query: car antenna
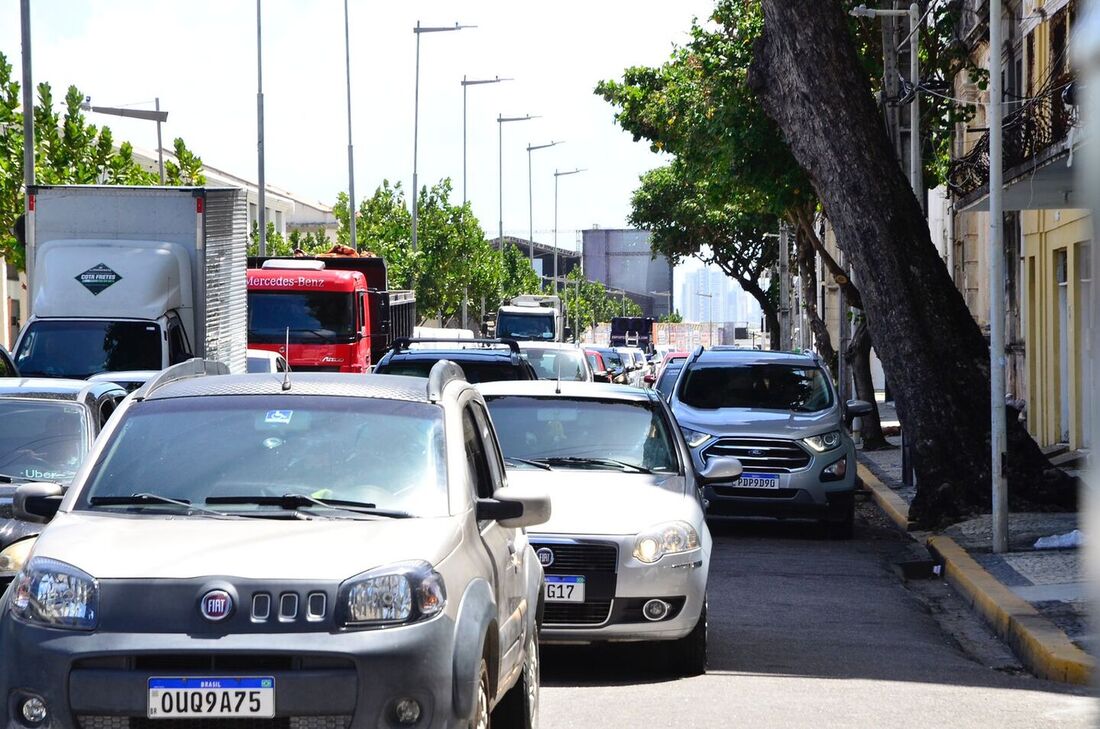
pixel 557 385
pixel 286 374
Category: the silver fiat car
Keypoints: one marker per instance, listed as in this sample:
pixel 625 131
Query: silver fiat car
pixel 319 550
pixel 627 551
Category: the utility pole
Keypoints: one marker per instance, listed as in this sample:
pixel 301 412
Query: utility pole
pixel 352 207
pixel 28 134
pixel 995 256
pixel 784 288
pixel 261 210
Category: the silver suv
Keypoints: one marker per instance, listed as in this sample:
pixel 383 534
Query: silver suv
pixel 778 414
pixel 325 550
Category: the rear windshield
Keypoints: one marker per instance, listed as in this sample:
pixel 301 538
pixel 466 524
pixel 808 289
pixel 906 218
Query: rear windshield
pixel 479 371
pixel 550 364
pixel 41 440
pixel 383 452
pixel 80 349
pixel 668 378
pixel 794 388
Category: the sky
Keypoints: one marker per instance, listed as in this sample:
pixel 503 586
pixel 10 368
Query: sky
pixel 199 57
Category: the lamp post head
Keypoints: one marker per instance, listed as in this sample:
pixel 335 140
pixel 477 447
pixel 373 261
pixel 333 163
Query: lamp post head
pixel 476 82
pixel 532 147
pixel 862 11
pixel 569 172
pixel 439 28
pixel 502 119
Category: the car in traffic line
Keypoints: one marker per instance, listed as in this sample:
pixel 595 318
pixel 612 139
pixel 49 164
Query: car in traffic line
pixel 481 360
pixel 262 360
pixel 342 552
pixel 7 365
pixel 47 427
pixel 558 361
pixel 668 371
pixel 627 550
pixel 779 415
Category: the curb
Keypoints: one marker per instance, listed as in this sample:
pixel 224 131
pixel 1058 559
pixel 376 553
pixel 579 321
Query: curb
pixel 1045 649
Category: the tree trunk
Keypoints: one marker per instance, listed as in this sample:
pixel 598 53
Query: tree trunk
pixel 807 275
pixel 809 80
pixel 858 356
pixel 767 306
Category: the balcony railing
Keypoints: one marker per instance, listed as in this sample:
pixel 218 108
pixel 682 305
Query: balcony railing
pixel 1040 124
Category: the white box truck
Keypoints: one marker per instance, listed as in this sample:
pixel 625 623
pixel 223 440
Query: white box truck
pixel 532 317
pixel 133 278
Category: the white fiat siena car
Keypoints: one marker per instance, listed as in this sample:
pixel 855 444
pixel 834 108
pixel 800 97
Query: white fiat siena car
pixel 626 552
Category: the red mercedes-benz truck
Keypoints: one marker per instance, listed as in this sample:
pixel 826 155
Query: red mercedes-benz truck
pixel 326 314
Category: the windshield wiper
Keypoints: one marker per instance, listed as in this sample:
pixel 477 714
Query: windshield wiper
pixel 147 499
pixel 527 462
pixel 293 502
pixel 317 333
pixel 588 461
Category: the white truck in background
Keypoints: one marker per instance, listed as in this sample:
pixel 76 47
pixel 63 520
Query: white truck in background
pixel 532 317
pixel 133 278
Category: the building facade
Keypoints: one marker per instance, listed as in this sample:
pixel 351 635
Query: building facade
pixel 623 260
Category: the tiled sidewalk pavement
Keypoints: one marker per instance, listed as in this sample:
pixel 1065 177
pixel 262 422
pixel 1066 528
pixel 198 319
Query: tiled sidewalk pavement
pixel 1052 580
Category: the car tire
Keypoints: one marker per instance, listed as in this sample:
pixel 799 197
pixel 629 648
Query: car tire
pixel 519 708
pixel 480 719
pixel 689 654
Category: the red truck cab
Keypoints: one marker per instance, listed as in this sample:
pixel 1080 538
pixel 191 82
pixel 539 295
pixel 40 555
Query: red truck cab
pixel 334 320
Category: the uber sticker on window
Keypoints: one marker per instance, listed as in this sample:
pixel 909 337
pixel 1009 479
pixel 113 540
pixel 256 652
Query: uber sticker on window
pixel 279 417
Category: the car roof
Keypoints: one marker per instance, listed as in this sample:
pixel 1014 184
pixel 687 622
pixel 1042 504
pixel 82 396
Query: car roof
pixel 383 387
pixel 456 354
pixel 262 354
pixel 46 388
pixel 570 389
pixel 528 344
pixel 735 355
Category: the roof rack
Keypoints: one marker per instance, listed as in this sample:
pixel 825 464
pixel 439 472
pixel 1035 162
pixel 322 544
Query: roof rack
pixel 195 367
pixel 442 374
pixel 401 343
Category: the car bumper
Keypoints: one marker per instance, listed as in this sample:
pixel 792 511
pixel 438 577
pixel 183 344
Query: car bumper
pixel 322 680
pixel 613 607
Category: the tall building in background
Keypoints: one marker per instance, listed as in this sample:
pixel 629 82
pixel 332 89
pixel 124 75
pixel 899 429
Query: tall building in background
pixel 623 259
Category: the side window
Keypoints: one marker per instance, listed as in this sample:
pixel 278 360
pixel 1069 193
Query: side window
pixel 178 350
pixel 476 462
pixel 280 364
pixel 492 446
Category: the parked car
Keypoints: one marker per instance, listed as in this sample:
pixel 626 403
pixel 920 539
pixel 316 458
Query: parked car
pixel 778 413
pixel 558 360
pixel 667 373
pixel 481 360
pixel 7 365
pixel 129 380
pixel 47 427
pixel 615 364
pixel 345 552
pixel 600 370
pixel 627 550
pixel 262 360
pixel 634 361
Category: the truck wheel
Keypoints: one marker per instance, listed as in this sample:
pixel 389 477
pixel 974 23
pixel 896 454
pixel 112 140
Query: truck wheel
pixel 519 708
pixel 689 654
pixel 480 718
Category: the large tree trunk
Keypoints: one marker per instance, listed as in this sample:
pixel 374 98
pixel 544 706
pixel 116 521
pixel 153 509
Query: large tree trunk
pixel 806 271
pixel 810 82
pixel 858 356
pixel 767 306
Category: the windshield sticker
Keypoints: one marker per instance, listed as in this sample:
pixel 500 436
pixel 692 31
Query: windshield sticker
pixel 279 417
pixel 97 278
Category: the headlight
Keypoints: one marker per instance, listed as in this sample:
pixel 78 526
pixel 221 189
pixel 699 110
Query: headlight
pixel 823 442
pixel 400 593
pixel 55 594
pixel 670 538
pixel 695 438
pixel 15 556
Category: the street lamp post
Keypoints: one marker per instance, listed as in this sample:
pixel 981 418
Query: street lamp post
pixel 501 121
pixel 351 152
pixel 149 115
pixel 531 200
pixel 418 30
pixel 261 210
pixel 558 174
pixel 466 83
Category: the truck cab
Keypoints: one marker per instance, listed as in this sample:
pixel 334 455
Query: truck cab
pixel 318 319
pixel 531 317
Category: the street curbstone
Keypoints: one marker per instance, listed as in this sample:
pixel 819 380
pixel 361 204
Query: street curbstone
pixel 887 499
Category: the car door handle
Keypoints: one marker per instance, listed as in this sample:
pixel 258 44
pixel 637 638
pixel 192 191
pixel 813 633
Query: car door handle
pixel 513 555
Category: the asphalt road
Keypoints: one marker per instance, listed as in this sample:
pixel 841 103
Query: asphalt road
pixel 813 633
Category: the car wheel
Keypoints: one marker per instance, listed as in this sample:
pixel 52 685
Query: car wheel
pixel 519 709
pixel 689 654
pixel 480 719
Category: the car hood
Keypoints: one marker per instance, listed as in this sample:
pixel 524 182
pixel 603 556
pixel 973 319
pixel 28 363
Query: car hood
pixel 147 547
pixel 604 502
pixel 764 423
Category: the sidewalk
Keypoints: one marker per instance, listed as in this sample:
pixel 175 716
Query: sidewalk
pixel 1035 599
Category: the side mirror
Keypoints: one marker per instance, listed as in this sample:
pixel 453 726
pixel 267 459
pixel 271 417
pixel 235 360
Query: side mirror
pixel 857 409
pixel 649 379
pixel 514 510
pixel 721 469
pixel 37 502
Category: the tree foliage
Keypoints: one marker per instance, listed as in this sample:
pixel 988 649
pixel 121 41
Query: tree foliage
pixel 590 302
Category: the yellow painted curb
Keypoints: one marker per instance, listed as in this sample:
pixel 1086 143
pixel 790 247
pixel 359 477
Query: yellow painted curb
pixel 887 499
pixel 1040 644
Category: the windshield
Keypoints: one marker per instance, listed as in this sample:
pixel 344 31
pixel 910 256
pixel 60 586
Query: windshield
pixel 668 378
pixel 758 386
pixel 576 432
pixel 613 359
pixel 481 371
pixel 549 362
pixel 312 316
pixel 526 326
pixel 382 452
pixel 42 440
pixel 80 349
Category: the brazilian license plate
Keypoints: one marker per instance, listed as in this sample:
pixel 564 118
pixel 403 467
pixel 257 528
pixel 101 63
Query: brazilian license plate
pixel 564 588
pixel 176 698
pixel 758 481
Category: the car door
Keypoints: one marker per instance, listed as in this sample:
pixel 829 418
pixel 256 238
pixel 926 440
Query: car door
pixel 487 472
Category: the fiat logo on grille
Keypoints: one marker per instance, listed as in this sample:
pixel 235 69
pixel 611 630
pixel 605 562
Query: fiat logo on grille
pixel 216 605
pixel 545 555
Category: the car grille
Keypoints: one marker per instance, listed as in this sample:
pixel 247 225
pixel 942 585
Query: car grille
pixel 593 612
pixel 583 557
pixel 761 454
pixel 755 493
pixel 283 722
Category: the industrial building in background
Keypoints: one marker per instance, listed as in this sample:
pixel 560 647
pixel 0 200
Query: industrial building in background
pixel 623 260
